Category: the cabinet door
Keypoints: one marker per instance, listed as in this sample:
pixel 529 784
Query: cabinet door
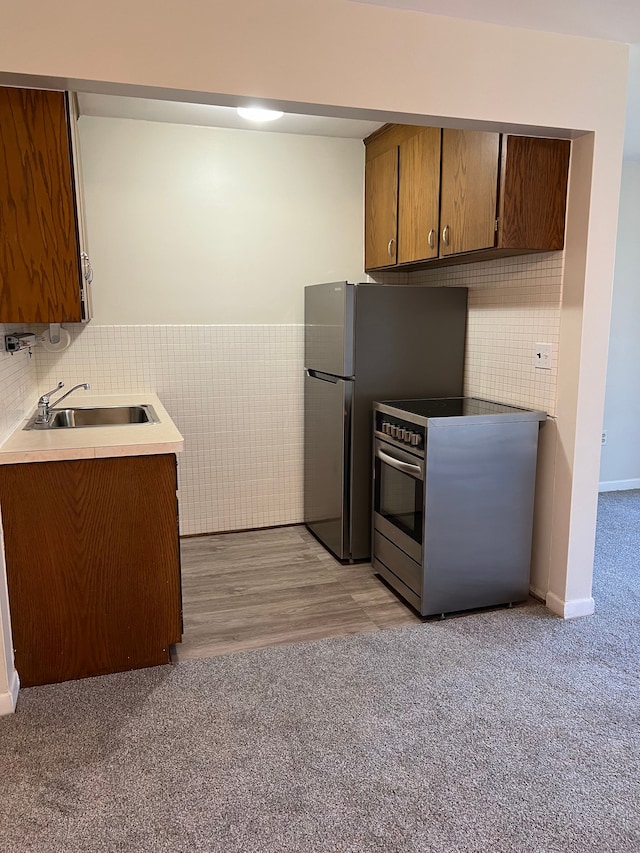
pixel 93 565
pixel 381 210
pixel 419 196
pixel 39 262
pixel 533 193
pixel 469 191
pixel 86 270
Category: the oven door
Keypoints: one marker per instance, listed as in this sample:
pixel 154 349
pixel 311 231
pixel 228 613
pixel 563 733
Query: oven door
pixel 398 497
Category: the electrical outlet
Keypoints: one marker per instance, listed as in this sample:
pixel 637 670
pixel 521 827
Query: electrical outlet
pixel 542 356
pixel 604 437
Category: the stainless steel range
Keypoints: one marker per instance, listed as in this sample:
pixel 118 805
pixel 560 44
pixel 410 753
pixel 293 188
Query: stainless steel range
pixel 453 497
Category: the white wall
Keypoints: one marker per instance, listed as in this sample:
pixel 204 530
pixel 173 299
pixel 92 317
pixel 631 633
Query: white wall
pixel 201 241
pixel 620 461
pixel 202 225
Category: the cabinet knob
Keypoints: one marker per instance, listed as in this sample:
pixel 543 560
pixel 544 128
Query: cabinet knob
pixel 445 235
pixel 391 247
pixel 431 238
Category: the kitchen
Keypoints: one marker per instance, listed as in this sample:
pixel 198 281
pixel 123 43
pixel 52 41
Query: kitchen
pixel 225 358
pixel 127 356
pixel 151 225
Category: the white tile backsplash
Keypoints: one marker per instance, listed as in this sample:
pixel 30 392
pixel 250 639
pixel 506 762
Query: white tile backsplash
pixel 17 385
pixel 514 304
pixel 235 393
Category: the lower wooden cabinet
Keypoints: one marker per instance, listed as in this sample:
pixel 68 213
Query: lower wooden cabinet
pixel 93 565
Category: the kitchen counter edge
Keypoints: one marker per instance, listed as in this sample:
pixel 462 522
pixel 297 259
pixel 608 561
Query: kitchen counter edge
pixel 58 445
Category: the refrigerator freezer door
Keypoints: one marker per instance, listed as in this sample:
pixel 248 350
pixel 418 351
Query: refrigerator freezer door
pixel 328 329
pixel 327 405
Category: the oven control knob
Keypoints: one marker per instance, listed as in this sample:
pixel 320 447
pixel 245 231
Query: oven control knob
pixel 385 427
pixel 408 435
pixel 416 439
pixel 400 433
pixel 394 431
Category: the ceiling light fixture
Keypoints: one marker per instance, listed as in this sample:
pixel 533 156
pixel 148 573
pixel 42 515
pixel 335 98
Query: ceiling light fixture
pixel 259 114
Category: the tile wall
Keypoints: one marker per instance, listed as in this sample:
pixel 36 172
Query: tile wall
pixel 17 386
pixel 514 304
pixel 235 393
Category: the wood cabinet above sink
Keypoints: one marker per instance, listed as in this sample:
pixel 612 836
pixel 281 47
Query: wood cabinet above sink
pixel 44 267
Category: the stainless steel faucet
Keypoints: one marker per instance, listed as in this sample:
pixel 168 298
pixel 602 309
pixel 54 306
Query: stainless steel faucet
pixel 45 405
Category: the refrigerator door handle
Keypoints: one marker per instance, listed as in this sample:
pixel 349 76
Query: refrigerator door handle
pixel 399 465
pixel 323 377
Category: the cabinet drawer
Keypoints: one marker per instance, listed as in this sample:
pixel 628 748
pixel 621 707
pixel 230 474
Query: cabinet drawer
pixel 409 572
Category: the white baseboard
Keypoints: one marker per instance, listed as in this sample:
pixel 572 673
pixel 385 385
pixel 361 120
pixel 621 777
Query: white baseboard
pixel 9 699
pixel 618 485
pixel 570 609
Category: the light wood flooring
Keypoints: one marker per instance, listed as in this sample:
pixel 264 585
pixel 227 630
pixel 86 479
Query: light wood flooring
pixel 272 587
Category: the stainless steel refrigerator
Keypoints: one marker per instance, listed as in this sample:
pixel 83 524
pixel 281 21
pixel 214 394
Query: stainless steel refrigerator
pixel 363 343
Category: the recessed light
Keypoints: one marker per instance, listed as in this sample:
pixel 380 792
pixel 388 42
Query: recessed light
pixel 259 114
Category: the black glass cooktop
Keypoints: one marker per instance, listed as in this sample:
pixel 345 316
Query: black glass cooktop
pixel 449 407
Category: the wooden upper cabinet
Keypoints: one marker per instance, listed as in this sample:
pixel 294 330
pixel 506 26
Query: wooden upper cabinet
pixel 40 264
pixel 419 196
pixel 381 210
pixel 533 195
pixel 462 195
pixel 470 162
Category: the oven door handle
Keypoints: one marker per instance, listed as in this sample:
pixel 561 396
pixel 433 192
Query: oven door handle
pixel 398 464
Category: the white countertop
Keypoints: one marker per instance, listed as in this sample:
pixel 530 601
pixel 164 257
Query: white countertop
pixel 54 445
